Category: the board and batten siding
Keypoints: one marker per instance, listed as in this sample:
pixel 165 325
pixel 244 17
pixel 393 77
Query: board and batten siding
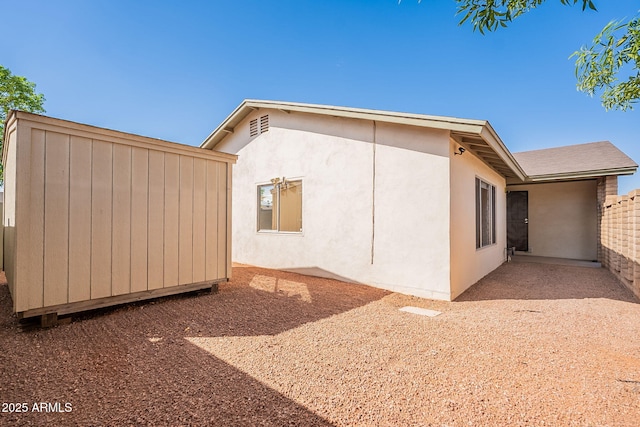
pixel 92 214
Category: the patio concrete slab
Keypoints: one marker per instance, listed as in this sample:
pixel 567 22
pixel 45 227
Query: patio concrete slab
pixel 556 261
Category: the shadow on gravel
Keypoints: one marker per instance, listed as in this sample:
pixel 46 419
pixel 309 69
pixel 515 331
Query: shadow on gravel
pixel 112 374
pixel 268 302
pixel 529 281
pixel 131 365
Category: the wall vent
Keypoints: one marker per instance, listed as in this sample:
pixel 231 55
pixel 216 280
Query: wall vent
pixel 253 126
pixel 264 124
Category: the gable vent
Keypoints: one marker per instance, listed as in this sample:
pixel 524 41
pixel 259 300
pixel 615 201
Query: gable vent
pixel 264 124
pixel 253 127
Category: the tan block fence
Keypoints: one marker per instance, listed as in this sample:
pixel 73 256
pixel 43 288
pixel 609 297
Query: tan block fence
pixel 619 234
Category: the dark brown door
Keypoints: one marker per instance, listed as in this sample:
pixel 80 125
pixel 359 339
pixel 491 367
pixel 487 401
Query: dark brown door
pixel 518 220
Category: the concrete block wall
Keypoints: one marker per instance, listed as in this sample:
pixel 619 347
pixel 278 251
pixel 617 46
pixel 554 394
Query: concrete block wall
pixel 619 248
pixel 606 186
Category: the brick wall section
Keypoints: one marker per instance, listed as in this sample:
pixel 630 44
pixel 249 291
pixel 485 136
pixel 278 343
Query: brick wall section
pixel 619 235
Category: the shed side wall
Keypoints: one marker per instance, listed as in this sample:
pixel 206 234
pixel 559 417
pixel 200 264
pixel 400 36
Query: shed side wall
pixel 95 209
pixel 9 212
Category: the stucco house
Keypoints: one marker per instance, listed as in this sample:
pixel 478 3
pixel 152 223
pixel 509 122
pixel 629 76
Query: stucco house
pixel 418 204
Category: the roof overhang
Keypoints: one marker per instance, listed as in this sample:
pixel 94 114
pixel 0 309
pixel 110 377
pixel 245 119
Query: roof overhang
pixel 477 136
pixel 95 132
pixel 581 175
pixel 488 147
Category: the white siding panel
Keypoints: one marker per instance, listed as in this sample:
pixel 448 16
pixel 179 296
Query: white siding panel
pixel 156 220
pixel 199 219
pixel 34 273
pixel 171 218
pixel 211 232
pixel 185 250
pixel 79 219
pixel 139 218
pixel 101 219
pixel 121 237
pixel 56 219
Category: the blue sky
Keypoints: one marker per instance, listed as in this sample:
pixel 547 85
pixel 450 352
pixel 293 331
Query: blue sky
pixel 175 69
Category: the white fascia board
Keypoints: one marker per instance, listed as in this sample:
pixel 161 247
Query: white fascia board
pixel 437 122
pixel 582 174
pixel 214 137
pixel 433 122
pixel 493 140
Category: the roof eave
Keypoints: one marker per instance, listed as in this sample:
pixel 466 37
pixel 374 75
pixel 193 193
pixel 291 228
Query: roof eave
pixel 480 128
pixel 223 128
pixel 582 174
pixel 493 140
pixel 248 105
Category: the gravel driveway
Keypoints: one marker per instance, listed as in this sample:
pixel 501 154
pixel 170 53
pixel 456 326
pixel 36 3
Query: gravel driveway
pixel 530 344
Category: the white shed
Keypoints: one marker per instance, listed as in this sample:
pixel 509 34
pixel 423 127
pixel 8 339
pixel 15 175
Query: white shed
pixel 95 217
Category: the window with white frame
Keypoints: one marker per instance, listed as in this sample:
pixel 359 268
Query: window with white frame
pixel 280 206
pixel 485 214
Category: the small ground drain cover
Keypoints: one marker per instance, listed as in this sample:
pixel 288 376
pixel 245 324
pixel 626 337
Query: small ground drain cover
pixel 421 311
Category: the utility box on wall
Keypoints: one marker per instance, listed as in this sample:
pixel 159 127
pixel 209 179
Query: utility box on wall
pixel 95 217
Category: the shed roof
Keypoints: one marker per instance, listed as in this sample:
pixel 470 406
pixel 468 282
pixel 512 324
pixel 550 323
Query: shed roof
pixel 476 136
pixel 575 161
pixel 110 135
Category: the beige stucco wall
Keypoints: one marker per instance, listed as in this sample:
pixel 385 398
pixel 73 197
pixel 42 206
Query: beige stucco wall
pixel 92 214
pixel 562 219
pixel 468 264
pixel 372 213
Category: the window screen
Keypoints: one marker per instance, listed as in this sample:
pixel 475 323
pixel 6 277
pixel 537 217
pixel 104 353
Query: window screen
pixel 485 214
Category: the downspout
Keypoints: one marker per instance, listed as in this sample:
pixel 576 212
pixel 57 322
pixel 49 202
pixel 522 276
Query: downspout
pixel 373 195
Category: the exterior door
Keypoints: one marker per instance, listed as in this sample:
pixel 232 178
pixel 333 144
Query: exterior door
pixel 518 220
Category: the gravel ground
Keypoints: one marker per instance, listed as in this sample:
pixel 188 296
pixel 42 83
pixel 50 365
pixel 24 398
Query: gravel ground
pixel 530 344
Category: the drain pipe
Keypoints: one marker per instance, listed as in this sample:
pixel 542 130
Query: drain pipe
pixel 373 195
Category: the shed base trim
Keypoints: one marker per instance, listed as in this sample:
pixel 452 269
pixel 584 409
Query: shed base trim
pixel 76 307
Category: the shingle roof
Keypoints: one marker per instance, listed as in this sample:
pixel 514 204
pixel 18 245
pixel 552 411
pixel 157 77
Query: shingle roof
pixel 591 159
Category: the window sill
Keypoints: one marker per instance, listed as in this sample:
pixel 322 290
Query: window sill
pixel 286 233
pixel 486 247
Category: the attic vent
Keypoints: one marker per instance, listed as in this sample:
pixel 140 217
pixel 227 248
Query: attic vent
pixel 264 124
pixel 253 126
